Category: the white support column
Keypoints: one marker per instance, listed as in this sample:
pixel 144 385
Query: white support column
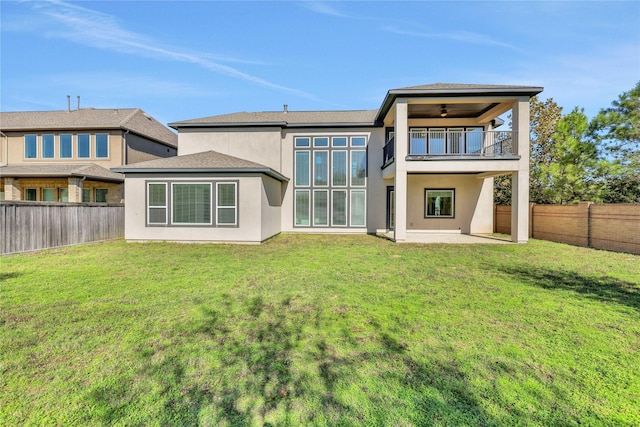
pixel 400 177
pixel 520 179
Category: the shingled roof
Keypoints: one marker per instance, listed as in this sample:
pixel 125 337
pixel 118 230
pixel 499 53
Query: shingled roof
pixel 60 170
pixel 207 161
pixel 132 119
pixel 284 119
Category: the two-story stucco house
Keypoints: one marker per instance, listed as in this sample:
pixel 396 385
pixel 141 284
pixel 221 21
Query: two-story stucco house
pixel 65 156
pixel 423 162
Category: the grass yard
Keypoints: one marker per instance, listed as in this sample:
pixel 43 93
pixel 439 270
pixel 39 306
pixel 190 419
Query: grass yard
pixel 320 330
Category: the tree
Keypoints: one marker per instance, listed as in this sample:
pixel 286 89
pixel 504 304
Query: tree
pixel 544 120
pixel 570 170
pixel 618 130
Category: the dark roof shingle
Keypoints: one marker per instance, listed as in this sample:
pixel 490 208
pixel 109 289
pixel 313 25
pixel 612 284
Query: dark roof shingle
pixel 89 170
pixel 133 119
pixel 285 118
pixel 207 161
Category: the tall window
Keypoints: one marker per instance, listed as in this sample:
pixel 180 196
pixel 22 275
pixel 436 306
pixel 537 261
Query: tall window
pixel 227 212
pixel 86 195
pixel 84 146
pixel 64 195
pixel 30 146
pixel 191 203
pixel 66 147
pixel 303 169
pixel 48 148
pixel 102 145
pixel 328 170
pixel 157 203
pixel 439 203
pixel 302 207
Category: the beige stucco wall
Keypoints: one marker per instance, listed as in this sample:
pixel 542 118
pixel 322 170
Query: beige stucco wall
pixel 260 145
pixel 473 203
pixel 257 219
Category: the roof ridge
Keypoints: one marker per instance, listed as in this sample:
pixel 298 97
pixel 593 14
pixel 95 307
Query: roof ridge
pixel 130 116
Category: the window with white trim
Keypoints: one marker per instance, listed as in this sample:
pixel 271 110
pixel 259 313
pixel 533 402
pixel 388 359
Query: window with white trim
pixel 157 202
pixel 30 146
pixel 191 203
pixel 330 178
pixel 226 205
pixel 84 146
pixel 66 146
pixel 102 145
pixel 48 146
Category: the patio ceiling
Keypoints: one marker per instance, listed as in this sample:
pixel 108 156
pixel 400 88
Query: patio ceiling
pixel 457 110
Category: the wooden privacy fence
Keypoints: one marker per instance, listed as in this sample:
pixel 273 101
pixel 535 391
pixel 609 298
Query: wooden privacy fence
pixel 29 226
pixel 614 227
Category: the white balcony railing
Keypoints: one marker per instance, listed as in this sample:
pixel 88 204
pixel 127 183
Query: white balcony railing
pixel 465 143
pixel 461 143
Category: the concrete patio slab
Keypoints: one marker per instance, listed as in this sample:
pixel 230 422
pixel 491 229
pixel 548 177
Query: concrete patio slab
pixel 455 238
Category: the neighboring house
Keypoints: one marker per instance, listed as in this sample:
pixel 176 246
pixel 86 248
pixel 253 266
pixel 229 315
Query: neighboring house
pixel 65 156
pixel 423 162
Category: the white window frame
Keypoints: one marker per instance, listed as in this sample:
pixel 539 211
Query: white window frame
pixel 346 141
pixel 295 207
pixel 165 206
pixel 95 142
pixel 346 207
pixel 60 156
pixel 309 168
pixel 328 168
pixel 302 138
pixel 78 143
pixel 328 199
pixel 364 144
pixel 351 210
pixel 351 170
pixel 53 145
pixel 234 207
pixel 36 146
pixel 346 168
pixel 187 224
pixel 320 138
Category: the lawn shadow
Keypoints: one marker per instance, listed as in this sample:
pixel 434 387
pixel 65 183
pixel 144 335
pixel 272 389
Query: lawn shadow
pixel 278 361
pixel 6 276
pixel 604 289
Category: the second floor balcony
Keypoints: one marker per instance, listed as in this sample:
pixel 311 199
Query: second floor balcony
pixel 469 143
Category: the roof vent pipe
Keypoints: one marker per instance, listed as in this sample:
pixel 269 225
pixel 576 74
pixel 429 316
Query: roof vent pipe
pixel 286 108
pixel 78 102
pixel 68 103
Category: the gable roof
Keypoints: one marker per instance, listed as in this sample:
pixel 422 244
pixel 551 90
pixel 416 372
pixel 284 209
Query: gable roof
pixel 132 119
pixel 284 119
pixel 59 170
pixel 207 161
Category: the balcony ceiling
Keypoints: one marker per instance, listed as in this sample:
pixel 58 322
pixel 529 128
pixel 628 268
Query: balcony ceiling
pixel 428 111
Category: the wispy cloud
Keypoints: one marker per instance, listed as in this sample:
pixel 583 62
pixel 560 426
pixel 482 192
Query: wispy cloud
pixel 90 27
pixel 323 8
pixel 458 36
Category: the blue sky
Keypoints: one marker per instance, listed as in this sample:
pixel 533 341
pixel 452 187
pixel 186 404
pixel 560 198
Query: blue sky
pixel 186 59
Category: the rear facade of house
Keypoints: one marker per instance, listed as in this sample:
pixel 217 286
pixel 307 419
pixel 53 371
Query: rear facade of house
pixel 424 162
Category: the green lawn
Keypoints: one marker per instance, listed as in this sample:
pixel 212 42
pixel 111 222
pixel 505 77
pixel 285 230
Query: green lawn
pixel 320 330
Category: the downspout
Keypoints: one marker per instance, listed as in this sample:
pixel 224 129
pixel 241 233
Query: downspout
pixel 6 148
pixel 125 151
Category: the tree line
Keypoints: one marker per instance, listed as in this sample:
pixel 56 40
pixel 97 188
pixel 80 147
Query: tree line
pixel 575 159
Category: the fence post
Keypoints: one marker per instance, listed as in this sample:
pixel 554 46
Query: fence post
pixel 531 213
pixel 589 224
